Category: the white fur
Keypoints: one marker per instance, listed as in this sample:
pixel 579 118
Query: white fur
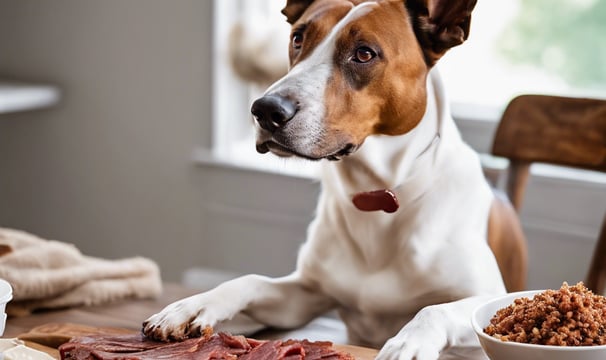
pixel 407 281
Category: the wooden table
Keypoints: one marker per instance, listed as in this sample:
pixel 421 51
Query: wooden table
pixel 127 314
pixel 130 315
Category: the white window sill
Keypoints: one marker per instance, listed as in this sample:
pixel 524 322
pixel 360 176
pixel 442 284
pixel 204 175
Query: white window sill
pixel 248 159
pixel 15 96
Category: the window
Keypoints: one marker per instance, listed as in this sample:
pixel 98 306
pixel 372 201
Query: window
pixel 233 137
pixel 532 46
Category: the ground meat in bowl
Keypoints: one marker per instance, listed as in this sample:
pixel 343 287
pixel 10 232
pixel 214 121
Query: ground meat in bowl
pixel 570 316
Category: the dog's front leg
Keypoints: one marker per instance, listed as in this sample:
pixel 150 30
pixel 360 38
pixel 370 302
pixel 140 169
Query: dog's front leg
pixel 434 329
pixel 286 302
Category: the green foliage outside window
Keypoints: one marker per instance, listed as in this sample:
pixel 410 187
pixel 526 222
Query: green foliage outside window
pixel 564 37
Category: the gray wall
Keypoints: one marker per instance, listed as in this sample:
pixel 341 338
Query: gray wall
pixel 109 168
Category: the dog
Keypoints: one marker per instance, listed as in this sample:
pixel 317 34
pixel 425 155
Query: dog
pixel 408 235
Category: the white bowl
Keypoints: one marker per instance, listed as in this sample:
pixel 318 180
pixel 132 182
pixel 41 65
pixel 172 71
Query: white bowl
pixel 507 350
pixel 6 294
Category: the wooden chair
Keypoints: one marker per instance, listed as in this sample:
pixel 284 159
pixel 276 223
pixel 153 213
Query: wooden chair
pixel 560 131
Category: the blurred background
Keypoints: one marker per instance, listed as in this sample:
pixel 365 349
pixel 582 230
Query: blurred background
pixel 124 129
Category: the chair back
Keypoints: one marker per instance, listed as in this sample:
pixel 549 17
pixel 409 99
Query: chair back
pixel 560 131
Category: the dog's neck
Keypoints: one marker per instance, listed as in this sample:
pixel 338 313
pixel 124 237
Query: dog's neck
pixel 391 162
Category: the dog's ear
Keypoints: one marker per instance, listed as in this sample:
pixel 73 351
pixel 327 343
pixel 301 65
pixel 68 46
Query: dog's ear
pixel 294 9
pixel 440 24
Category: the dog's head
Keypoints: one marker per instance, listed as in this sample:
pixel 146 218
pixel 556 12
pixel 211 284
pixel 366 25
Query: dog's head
pixel 357 68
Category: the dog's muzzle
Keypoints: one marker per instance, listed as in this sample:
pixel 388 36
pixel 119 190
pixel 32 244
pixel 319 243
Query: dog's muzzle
pixel 273 111
pixel 273 114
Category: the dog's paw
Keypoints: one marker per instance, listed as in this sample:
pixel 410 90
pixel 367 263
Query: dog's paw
pixel 409 347
pixel 185 318
pixel 423 338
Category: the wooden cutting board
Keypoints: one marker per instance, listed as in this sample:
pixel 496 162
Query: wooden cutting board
pixel 54 353
pixel 48 337
pixel 361 353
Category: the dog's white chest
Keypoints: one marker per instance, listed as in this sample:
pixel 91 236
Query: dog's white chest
pixel 378 275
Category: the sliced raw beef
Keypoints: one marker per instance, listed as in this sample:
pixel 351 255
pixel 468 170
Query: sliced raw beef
pixel 208 347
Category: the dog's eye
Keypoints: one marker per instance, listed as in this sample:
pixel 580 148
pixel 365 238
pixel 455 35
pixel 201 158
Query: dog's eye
pixel 364 54
pixel 297 40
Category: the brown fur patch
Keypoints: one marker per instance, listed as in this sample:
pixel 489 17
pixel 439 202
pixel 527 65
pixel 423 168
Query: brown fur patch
pixel 386 95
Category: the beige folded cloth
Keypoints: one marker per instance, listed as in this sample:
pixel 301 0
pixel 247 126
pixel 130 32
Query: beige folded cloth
pixel 47 274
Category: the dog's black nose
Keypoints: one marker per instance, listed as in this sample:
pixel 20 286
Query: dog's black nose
pixel 273 111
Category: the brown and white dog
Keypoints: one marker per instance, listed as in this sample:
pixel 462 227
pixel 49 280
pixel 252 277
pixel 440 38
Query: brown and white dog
pixel 408 237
